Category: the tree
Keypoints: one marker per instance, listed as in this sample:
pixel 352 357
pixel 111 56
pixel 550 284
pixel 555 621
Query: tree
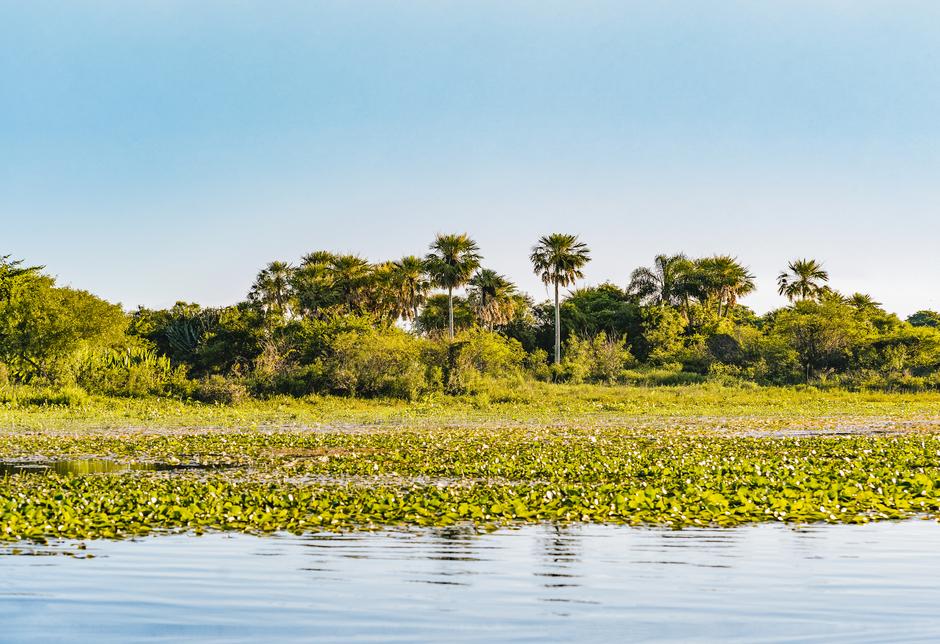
pixel 350 276
pixel 435 315
pixel 823 334
pixel 312 284
pixel 451 263
pixel 490 294
pixel 605 308
pixel 43 327
pixel 925 318
pixel 272 288
pixel 558 260
pixel 723 280
pixel 326 283
pixel 11 270
pixel 411 285
pixel 663 284
pixel 805 279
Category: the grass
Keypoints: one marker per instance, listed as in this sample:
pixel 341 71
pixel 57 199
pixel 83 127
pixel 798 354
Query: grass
pixel 679 457
pixel 527 402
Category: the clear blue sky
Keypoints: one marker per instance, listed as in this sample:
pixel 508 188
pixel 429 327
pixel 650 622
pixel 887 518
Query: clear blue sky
pixel 160 150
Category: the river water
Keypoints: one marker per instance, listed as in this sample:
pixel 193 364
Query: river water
pixel 767 582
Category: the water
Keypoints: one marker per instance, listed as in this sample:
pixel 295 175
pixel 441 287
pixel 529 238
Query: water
pixel 759 583
pixel 91 466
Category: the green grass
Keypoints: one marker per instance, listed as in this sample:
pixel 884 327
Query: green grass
pixel 687 456
pixel 526 402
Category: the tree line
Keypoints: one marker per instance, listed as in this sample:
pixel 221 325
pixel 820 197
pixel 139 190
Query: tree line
pixel 442 321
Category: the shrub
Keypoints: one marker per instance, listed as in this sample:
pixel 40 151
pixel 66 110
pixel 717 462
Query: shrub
pixel 475 357
pixel 219 390
pixel 536 363
pixel 375 363
pixel 133 371
pixel 600 359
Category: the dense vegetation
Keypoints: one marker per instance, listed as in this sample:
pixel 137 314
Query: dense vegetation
pixel 338 324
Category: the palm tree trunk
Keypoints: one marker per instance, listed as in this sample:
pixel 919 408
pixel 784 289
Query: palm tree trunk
pixel 557 327
pixel 450 311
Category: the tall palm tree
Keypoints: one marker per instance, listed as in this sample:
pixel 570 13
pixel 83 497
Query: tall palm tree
pixel 451 263
pixel 558 260
pixel 491 296
pixel 804 279
pixel 272 287
pixel 664 283
pixel 411 285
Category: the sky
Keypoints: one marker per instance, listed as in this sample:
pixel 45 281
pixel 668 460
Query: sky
pixel 156 151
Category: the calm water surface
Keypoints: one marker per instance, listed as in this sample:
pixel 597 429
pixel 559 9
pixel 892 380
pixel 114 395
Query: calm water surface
pixel 767 582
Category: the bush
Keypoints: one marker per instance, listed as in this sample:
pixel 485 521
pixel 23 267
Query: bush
pixel 133 371
pixel 475 357
pixel 25 395
pixel 375 363
pixel 219 390
pixel 538 366
pixel 600 360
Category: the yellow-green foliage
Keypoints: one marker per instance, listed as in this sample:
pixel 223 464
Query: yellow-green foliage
pixel 375 363
pixel 599 359
pixel 131 371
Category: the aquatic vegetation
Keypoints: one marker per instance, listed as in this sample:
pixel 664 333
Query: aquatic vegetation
pixel 659 473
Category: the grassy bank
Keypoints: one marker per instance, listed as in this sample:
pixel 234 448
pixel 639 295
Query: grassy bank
pixel 503 403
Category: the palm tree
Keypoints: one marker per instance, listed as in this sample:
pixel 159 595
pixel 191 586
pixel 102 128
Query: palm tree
pixel 804 279
pixel 558 260
pixel 491 296
pixel 863 302
pixel 350 275
pixel 451 263
pixel 272 287
pixel 411 285
pixel 664 283
pixel 724 280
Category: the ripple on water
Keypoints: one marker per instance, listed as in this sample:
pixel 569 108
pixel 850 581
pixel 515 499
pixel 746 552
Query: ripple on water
pixel 761 582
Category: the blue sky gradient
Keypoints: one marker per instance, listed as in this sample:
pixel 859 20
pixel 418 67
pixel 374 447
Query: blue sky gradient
pixel 155 151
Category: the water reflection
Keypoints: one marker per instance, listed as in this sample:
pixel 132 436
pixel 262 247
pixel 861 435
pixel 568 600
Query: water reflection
pixel 91 466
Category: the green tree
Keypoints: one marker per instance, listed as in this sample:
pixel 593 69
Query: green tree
pixel 804 279
pixel 351 278
pixel 272 288
pixel 411 286
pixel 43 327
pixel 10 271
pixel 863 303
pixel 824 335
pixel 925 318
pixel 665 283
pixel 312 286
pixel 721 281
pixel 558 260
pixel 439 311
pixel 491 296
pixel 451 263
